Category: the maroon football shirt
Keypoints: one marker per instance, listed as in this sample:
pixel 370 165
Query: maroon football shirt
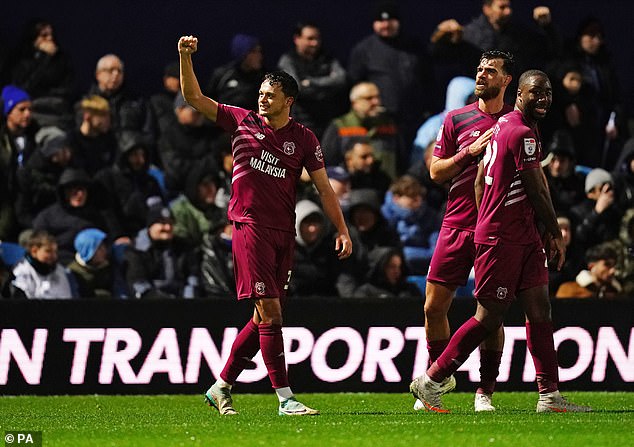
pixel 505 211
pixel 461 128
pixel 267 164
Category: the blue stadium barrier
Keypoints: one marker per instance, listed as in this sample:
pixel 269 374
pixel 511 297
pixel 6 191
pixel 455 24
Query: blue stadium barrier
pixel 11 253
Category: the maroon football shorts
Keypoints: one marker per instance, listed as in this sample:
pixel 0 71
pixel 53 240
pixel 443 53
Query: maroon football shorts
pixel 503 270
pixel 262 261
pixel 453 257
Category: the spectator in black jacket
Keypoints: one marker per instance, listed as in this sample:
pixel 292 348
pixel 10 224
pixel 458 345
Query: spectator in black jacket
pixel 387 276
pixel 217 262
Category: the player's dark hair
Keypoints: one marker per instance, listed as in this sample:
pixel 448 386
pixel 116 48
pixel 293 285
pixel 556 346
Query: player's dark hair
pixel 529 74
pixel 508 61
pixel 286 82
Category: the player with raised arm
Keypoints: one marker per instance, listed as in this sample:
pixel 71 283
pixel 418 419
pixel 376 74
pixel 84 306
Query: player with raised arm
pixel 269 151
pixel 460 142
pixel 511 261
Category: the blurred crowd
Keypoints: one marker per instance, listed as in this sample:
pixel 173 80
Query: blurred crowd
pixel 108 194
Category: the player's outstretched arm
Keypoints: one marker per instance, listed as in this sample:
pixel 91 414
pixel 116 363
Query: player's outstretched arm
pixel 330 204
pixel 188 45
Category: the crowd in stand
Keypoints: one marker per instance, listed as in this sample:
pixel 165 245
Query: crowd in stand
pixel 111 195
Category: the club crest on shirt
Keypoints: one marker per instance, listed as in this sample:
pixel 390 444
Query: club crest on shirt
pixel 259 136
pixel 319 154
pixel 530 145
pixel 501 293
pixel 260 288
pixel 289 147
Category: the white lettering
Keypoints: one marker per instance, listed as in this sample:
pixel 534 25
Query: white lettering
pixel 421 356
pixel 119 359
pixel 305 342
pixel 201 345
pixel 164 357
pixel 585 345
pixel 355 354
pixel 269 158
pixel 82 339
pixel 30 366
pixel 608 343
pixel 381 358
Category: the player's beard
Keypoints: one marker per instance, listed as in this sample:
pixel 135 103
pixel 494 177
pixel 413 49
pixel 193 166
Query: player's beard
pixel 488 93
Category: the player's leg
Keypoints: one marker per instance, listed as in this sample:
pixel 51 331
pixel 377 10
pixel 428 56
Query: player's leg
pixel 490 358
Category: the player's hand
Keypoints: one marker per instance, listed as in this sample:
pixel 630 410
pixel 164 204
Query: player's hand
pixel 542 16
pixel 343 246
pixel 187 45
pixel 480 144
pixel 557 250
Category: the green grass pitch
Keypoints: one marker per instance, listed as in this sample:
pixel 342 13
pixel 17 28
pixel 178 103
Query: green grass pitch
pixel 365 419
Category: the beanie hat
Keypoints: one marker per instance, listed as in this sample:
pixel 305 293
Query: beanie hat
pixel 87 241
pixel 172 70
pixel 597 177
pixel 241 44
pixel 158 213
pixel 12 96
pixel 54 145
pixel 385 10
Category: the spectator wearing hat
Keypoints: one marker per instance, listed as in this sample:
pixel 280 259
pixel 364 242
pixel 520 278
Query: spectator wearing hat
pixel 128 184
pixel 162 103
pixel 365 119
pixel 40 274
pixel 78 206
pixel 598 217
pixel 38 180
pixel 159 265
pixel 364 169
pixel 91 267
pixel 565 184
pixel 340 181
pixel 195 210
pixel 238 82
pixel 17 143
pixel 93 140
pixel 187 143
pixel 396 63
pixel 321 79
pixel 128 112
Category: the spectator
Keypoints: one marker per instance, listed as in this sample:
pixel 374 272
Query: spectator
pixel 162 103
pixel 91 267
pixel 195 211
pixel 321 79
pixel 38 180
pixel 565 184
pixel 217 262
pixel 45 72
pixel 624 247
pixel 7 288
pixel 366 118
pixel 624 177
pixel 609 130
pixel 17 142
pixel 340 181
pixel 127 112
pixel 364 170
pixel 238 82
pixel 39 274
pixel 395 63
pixel 159 265
pixel 415 222
pixel 316 269
pixel 574 257
pixel 597 218
pixel 184 145
pixel 598 281
pixel 129 186
pixel 94 141
pixel 78 207
pixel 365 217
pixel 386 277
pixel 459 92
pixel 437 193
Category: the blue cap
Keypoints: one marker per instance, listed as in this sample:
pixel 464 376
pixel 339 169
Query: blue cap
pixel 12 96
pixel 87 242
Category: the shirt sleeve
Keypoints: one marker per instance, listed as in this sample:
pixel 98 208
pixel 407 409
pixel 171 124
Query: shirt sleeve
pixel 445 142
pixel 314 157
pixel 526 149
pixel 229 117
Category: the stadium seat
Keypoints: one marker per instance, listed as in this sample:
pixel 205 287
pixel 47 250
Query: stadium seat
pixel 11 253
